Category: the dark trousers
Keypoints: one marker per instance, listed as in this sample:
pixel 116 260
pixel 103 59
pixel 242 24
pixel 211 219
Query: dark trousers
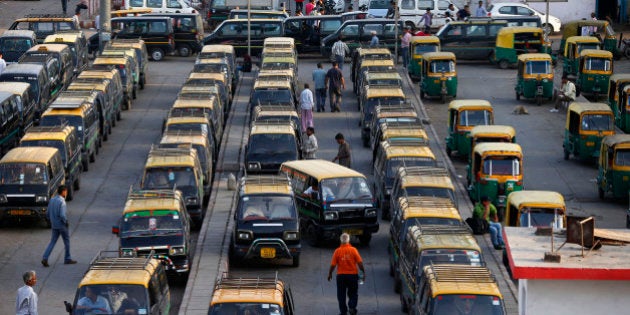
pixel 347 285
pixel 320 96
pixel 64 6
pixel 299 6
pixel 63 232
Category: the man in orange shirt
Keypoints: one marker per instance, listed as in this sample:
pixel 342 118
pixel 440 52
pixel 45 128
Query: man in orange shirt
pixel 346 259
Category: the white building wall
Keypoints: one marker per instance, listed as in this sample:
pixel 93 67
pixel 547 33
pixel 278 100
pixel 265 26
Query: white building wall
pixel 573 297
pixel 566 11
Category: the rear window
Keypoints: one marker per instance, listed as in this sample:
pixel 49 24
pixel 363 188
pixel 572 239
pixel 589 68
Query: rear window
pixel 329 26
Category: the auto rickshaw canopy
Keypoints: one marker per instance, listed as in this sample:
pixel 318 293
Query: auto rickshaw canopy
pixel 618 140
pixel 534 57
pixel 596 53
pixel 439 55
pixel 580 40
pixel 536 199
pixel 493 131
pixel 470 104
pixel 425 40
pixel 582 107
pixel 573 28
pixel 498 148
pixel 507 36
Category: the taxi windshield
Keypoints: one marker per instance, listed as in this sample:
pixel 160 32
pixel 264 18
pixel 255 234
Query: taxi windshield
pixel 271 144
pixel 58 120
pixel 246 308
pixel 150 221
pixel 421 191
pixel 346 189
pixel 597 64
pixel 449 256
pixel 210 68
pixel 32 80
pixel 502 165
pixel 260 207
pixel 622 157
pixel 540 217
pixel 470 304
pixel 15 44
pixel 475 118
pixel 538 67
pixel 395 82
pixel 58 144
pixel 597 122
pixel 23 174
pixel 424 48
pixel 167 178
pixel 278 65
pixel 438 66
pixel 271 96
pixel 114 298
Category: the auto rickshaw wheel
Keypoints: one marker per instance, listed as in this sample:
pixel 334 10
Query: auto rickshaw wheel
pixel 539 100
pixel 77 183
pixel 503 64
pixel 391 267
pixel 448 151
pixel 397 283
pixel 443 98
pixel 70 194
pixel 296 261
pixel 518 96
pixel 566 154
pixel 577 92
pixel 600 192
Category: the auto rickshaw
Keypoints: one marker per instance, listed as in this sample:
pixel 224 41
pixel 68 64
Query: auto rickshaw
pixel 534 78
pixel 613 175
pixel 623 120
pixel 491 133
pixel 532 208
pixel 587 124
pixel 463 115
pixel 419 46
pixel 595 69
pixel 600 29
pixel 571 53
pixel 495 170
pixel 616 87
pixel 516 40
pixel 439 77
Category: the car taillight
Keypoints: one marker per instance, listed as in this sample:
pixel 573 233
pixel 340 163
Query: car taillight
pixel 489 14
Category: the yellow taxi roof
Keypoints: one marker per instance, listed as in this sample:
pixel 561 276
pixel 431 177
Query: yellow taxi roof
pixel 207 75
pixel 266 184
pixel 438 55
pixel 536 56
pixel 382 91
pixel 49 47
pixel 272 129
pixel 597 53
pixel 425 177
pixel 109 60
pixel 45 18
pixel 428 207
pixel 582 39
pixel 519 29
pixel 133 205
pixel 279 40
pixel 174 161
pixel 418 132
pixel 464 104
pixel 121 271
pixel 461 279
pixel 62 38
pixel 411 150
pixel 131 11
pixel 580 107
pixel 617 139
pixel 425 39
pixel 186 120
pixel 278 59
pixel 536 199
pixel 82 86
pixel 487 130
pixel 197 138
pixel 97 74
pixel 383 75
pixel 275 72
pixel 197 103
pixel 14 87
pixel 47 133
pixel 29 155
pixel 229 49
pixel 373 51
pixel 212 61
pixel 64 111
pixel 272 84
pixel 443 237
pixel 377 62
pixel 502 147
pixel 321 169
pixel 247 292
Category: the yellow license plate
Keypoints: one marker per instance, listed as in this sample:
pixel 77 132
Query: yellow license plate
pixel 354 231
pixel 20 212
pixel 268 252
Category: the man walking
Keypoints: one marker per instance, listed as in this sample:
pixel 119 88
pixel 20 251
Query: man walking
pixel 343 153
pixel 481 11
pixel 26 301
pixel 487 211
pixel 339 51
pixel 565 95
pixel 319 77
pixel 404 46
pixel 306 105
pixel 427 17
pixel 310 6
pixel 346 259
pixel 336 84
pixel 310 147
pixel 464 13
pixel 56 213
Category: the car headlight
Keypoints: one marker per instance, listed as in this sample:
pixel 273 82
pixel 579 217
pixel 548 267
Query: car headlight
pixel 253 166
pixel 128 252
pixel 370 212
pixel 41 199
pixel 331 216
pixel 244 235
pixel 177 250
pixel 3 198
pixel 192 201
pixel 545 80
pixel 291 236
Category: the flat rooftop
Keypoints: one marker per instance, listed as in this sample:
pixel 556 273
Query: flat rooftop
pixel 526 251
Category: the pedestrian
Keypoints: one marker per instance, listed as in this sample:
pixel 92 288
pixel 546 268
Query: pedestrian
pixel 343 153
pixel 26 301
pixel 427 17
pixel 83 4
pixel 339 51
pixel 306 106
pixel 448 17
pixel 3 64
pixel 488 212
pixel 76 18
pixel 350 8
pixel 56 213
pixel 391 11
pixel 374 41
pixel 298 6
pixel 310 7
pixel 463 14
pixel 309 148
pixel 346 259
pixel 321 5
pixel 565 95
pixel 319 77
pixel 404 45
pixel 299 12
pixel 336 84
pixel 450 10
pixel 481 11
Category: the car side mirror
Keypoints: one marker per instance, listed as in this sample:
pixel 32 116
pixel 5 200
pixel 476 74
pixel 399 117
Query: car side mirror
pixel 115 229
pixel 68 307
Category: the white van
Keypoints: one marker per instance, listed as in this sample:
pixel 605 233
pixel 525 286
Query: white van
pixel 161 6
pixel 411 12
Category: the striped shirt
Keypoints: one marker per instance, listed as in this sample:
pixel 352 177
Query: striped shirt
pixel 340 48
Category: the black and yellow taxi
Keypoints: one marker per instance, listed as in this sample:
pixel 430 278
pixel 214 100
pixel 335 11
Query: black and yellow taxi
pixel 57 59
pixel 142 56
pixel 270 144
pixel 375 95
pixel 112 94
pixel 77 43
pixel 124 65
pixel 259 295
pixel 266 224
pixel 45 24
pixel 110 73
pixel 28 104
pixel 422 181
pixel 205 105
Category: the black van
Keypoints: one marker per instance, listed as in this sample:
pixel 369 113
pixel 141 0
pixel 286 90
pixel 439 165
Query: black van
pixel 234 32
pixel 15 43
pixel 157 33
pixel 9 121
pixel 45 24
pixel 188 28
pixel 308 31
pixel 357 33
pixel 27 103
pixel 36 76
pixel 62 54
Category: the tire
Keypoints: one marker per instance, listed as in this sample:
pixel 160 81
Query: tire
pixel 142 82
pixel 296 261
pixel 92 157
pixel 503 64
pixel 548 28
pixel 443 98
pixel 134 95
pixel 184 51
pixel 313 238
pixel 422 96
pixel 118 115
pixel 410 24
pixel 448 151
pixel 577 92
pixel 397 283
pixel 106 135
pixel 113 123
pixel 365 239
pixel 157 54
pixel 77 183
pixel 70 195
pixel 85 165
pixel 518 96
pixel 403 305
pixel 391 269
pixel 539 100
pixel 600 192
pixel 566 154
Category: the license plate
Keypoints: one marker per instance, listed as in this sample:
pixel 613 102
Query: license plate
pixel 354 231
pixel 268 252
pixel 19 212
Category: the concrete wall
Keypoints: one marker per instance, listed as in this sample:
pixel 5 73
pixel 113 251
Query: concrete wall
pixel 573 297
pixel 567 11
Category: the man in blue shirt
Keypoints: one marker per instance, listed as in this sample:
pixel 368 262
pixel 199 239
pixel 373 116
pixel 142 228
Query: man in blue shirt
pixel 319 76
pixel 56 214
pixel 481 11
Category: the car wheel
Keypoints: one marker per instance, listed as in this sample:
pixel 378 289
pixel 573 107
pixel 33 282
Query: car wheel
pixel 548 28
pixel 77 183
pixel 86 165
pixel 134 95
pixel 296 261
pixel 391 268
pixel 184 50
pixel 157 54
pixel 403 305
pixel 410 24
pixel 397 282
pixel 70 194
pixel 566 154
pixel 518 96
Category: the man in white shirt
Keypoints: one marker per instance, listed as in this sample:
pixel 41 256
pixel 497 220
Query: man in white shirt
pixel 566 94
pixel 26 302
pixel 310 146
pixel 3 64
pixel 340 50
pixel 306 104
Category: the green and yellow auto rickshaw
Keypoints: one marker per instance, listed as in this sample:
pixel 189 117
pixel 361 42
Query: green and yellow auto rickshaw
pixel 439 77
pixel 595 69
pixel 587 124
pixel 533 208
pixel 495 170
pixel 534 78
pixel 613 175
pixel 572 51
pixel 600 29
pixel 491 133
pixel 616 86
pixel 419 46
pixel 463 115
pixel 516 40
